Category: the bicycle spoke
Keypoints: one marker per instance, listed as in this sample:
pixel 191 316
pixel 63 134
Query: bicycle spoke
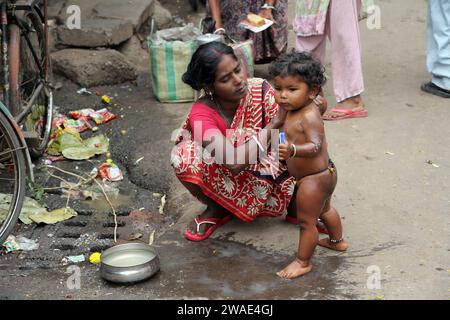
pixel 5 179
pixel 32 80
pixel 11 151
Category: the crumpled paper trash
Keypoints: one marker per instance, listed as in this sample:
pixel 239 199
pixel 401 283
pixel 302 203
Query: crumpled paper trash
pixel 73 259
pixel 26 244
pixel 13 243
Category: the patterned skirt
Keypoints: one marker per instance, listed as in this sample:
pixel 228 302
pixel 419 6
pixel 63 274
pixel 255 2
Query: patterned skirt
pixel 247 195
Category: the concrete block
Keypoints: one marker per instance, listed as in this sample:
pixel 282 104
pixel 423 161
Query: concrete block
pixel 96 33
pixel 93 67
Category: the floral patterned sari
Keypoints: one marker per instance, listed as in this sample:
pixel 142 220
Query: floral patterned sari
pixel 253 192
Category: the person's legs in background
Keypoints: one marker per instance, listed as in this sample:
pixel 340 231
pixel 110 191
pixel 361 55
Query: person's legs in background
pixel 315 45
pixel 348 84
pixel 438 54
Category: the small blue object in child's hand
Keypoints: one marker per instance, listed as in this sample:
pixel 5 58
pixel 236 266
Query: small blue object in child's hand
pixel 282 140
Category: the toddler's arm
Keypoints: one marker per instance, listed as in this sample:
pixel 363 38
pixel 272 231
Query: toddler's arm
pixel 314 132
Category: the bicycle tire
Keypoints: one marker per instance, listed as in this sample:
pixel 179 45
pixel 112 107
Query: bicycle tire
pixel 12 154
pixel 40 118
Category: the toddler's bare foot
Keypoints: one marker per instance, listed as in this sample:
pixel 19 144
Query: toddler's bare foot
pixel 295 269
pixel 340 246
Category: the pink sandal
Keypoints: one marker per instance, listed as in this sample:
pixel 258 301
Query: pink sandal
pixel 215 222
pixel 346 113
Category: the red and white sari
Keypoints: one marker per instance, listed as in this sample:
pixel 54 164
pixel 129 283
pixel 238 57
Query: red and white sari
pixel 251 193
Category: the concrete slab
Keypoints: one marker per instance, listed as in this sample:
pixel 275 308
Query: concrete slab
pixel 137 53
pixel 54 8
pixel 89 68
pixel 135 11
pixel 161 16
pixel 96 33
pixel 86 10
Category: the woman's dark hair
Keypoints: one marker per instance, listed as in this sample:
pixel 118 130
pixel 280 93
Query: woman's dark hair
pixel 299 64
pixel 201 71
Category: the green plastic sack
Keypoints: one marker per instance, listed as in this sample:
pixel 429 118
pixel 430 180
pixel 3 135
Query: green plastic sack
pixel 169 61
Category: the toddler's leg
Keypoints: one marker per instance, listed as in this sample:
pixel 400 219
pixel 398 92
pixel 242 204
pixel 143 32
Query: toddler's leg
pixel 332 221
pixel 310 201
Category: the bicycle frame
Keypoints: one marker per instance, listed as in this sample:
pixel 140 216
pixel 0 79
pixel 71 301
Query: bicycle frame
pixel 14 27
pixel 11 43
pixel 24 148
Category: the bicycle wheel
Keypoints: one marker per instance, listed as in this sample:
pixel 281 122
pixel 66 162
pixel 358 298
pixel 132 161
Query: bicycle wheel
pixel 12 177
pixel 33 88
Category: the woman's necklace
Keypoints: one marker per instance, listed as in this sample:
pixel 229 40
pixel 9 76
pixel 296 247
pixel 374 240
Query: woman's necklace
pixel 219 108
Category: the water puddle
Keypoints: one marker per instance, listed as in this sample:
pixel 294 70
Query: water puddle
pixel 101 205
pixel 221 269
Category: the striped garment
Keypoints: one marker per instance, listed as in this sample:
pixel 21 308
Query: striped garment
pixel 169 61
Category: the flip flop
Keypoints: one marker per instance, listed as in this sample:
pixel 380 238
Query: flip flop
pixel 345 114
pixel 215 222
pixel 320 226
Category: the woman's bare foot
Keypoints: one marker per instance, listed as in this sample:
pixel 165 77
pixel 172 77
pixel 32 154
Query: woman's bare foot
pixel 340 246
pixel 295 269
pixel 355 103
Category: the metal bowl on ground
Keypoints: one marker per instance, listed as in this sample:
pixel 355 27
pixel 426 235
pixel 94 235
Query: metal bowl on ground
pixel 128 263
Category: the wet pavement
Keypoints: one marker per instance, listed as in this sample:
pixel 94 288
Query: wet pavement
pixel 233 271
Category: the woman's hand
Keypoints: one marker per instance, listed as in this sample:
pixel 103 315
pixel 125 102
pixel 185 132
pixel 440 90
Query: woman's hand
pixel 321 103
pixel 280 118
pixel 236 168
pixel 284 151
pixel 266 13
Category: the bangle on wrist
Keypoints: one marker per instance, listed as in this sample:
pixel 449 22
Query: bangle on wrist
pixel 268 6
pixel 293 150
pixel 219 31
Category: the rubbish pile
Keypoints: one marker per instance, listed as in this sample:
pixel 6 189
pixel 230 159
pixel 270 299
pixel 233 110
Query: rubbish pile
pixel 67 143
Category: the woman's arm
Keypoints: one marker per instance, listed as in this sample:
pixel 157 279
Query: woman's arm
pixel 214 6
pixel 321 102
pixel 267 13
pixel 236 159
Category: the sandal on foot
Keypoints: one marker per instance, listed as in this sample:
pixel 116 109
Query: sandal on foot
pixel 214 222
pixel 345 114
